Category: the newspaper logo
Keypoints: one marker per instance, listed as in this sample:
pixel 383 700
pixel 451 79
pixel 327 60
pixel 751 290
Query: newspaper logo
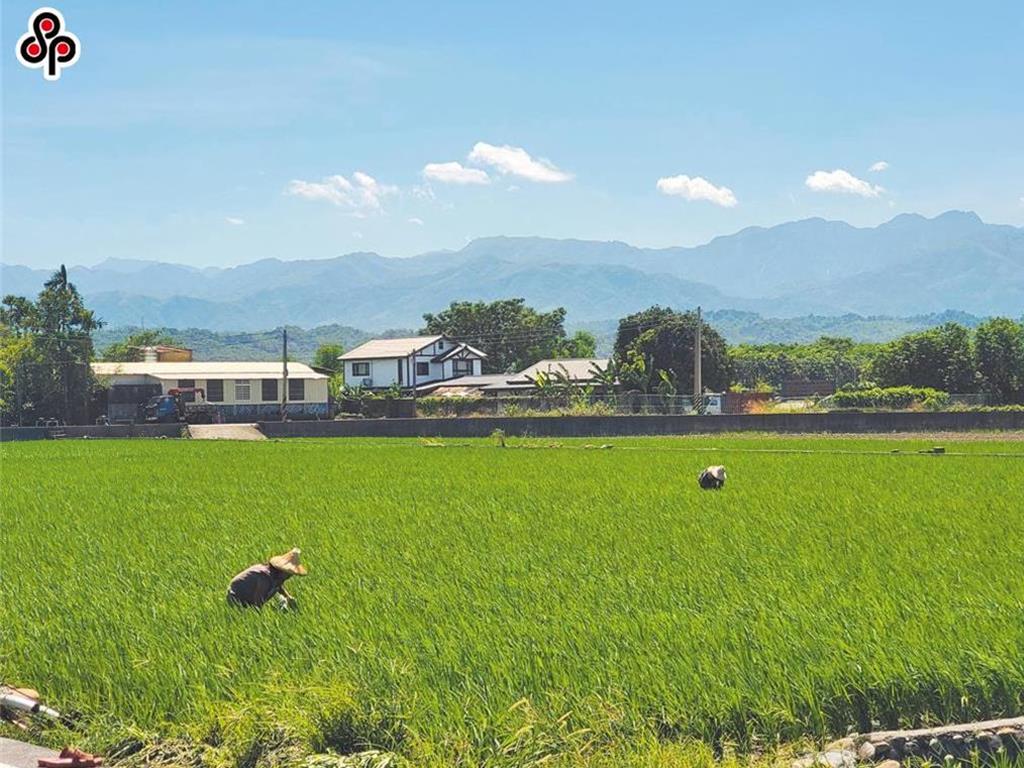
pixel 48 45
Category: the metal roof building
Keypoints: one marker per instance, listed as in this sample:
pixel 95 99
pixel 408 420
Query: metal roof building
pixel 240 391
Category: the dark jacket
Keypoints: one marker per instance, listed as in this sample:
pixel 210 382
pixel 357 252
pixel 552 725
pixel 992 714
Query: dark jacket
pixel 709 482
pixel 255 585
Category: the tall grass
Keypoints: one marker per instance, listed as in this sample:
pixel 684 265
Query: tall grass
pixel 477 605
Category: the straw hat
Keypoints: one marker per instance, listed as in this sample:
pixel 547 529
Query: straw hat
pixel 717 472
pixel 289 562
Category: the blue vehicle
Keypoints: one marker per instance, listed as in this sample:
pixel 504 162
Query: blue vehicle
pixel 173 407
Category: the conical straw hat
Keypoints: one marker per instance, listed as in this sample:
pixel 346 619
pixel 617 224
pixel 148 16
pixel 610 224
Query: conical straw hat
pixel 289 562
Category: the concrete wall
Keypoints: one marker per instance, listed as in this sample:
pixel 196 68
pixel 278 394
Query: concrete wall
pixel 576 426
pixel 8 434
pixel 594 426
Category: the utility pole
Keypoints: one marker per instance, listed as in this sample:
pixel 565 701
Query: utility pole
pixel 19 388
pixel 284 361
pixel 413 377
pixel 698 384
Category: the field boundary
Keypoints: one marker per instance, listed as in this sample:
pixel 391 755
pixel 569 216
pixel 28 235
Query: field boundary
pixel 577 426
pixel 611 426
pixel 9 434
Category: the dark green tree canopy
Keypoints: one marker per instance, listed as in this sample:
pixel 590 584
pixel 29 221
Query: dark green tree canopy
pixel 513 335
pixel 659 340
pixel 999 349
pixel 940 358
pixel 326 357
pixel 51 376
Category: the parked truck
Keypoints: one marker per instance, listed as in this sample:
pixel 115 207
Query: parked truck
pixel 177 406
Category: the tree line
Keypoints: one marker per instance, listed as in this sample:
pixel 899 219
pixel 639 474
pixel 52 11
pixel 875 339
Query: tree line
pixel 46 347
pixel 949 358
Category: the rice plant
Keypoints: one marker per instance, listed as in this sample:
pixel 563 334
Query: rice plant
pixel 471 605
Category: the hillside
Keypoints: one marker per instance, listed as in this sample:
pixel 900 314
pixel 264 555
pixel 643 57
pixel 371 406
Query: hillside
pixel 910 265
pixel 737 327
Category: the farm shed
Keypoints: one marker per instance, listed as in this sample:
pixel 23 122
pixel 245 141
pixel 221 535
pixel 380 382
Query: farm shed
pixel 240 391
pixel 579 370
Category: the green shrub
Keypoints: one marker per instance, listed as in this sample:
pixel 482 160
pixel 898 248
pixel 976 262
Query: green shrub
pixel 892 398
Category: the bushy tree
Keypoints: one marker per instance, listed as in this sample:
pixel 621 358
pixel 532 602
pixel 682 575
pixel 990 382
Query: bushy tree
pixel 580 344
pixel 326 357
pixel 633 325
pixel 840 361
pixel 513 335
pixel 51 342
pixel 999 349
pixel 940 358
pixel 662 340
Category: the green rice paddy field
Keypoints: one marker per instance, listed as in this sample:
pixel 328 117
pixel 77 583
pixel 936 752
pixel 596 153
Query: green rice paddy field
pixel 542 603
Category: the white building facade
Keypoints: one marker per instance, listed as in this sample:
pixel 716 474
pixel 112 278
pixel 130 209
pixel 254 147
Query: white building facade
pixel 410 362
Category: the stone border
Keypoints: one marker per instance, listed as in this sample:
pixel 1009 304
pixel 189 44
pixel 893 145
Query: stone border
pixel 960 743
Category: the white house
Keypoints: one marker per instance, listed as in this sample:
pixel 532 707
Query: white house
pixel 240 391
pixel 410 362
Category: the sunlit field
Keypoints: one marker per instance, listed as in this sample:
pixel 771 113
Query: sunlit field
pixel 471 604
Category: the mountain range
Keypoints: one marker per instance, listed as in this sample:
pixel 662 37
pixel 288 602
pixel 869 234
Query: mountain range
pixel 910 265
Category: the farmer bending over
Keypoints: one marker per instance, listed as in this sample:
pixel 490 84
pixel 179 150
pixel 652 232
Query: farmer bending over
pixel 712 478
pixel 258 583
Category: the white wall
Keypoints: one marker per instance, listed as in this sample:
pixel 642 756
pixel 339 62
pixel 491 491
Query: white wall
pixel 316 390
pixel 384 371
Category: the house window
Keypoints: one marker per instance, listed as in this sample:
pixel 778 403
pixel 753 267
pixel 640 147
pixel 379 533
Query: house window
pixel 269 388
pixel 215 390
pixel 422 369
pixel 296 389
pixel 440 346
pixel 187 397
pixel 360 369
pixel 243 390
pixel 463 367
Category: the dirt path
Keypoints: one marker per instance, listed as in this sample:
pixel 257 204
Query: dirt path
pixel 225 432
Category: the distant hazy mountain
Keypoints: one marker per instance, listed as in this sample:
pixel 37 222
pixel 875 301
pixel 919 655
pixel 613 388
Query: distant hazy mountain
pixel 737 327
pixel 908 266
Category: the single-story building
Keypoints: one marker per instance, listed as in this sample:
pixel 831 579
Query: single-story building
pixel 410 362
pixel 464 386
pixel 579 370
pixel 240 391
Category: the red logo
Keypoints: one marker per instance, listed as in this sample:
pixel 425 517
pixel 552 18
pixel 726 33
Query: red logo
pixel 48 45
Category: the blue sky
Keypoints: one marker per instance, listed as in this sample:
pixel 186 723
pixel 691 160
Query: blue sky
pixel 217 133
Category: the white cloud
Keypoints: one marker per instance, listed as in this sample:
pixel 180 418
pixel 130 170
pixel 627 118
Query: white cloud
pixel 416 220
pixel 357 235
pixel 455 173
pixel 1022 201
pixel 361 195
pixel 234 220
pixel 841 181
pixel 696 188
pixel 880 166
pixel 517 162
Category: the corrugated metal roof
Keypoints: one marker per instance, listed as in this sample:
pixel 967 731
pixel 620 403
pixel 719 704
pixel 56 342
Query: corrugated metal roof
pixel 207 370
pixel 576 368
pixel 384 348
pixel 470 382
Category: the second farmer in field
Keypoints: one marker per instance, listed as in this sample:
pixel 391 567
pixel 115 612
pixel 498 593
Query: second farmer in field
pixel 259 583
